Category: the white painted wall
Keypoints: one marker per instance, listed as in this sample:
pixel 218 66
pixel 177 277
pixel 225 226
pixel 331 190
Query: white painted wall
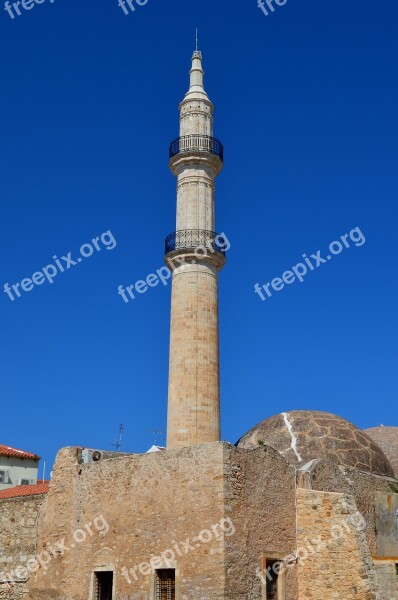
pixel 19 469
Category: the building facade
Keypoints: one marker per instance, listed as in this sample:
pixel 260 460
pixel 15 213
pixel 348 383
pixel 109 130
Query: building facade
pixel 17 467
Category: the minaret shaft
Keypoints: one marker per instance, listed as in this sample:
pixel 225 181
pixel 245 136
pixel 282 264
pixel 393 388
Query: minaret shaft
pixel 195 200
pixel 194 383
pixel 194 397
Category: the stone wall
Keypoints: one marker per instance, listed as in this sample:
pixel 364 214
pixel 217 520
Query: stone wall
pixel 328 477
pixel 335 560
pixel 386 509
pixel 126 511
pixel 158 503
pixel 18 535
pixel 152 504
pixel 387 577
pixel 260 497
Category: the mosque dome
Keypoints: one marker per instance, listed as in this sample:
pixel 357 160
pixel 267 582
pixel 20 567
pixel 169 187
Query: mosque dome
pixel 303 435
pixel 387 439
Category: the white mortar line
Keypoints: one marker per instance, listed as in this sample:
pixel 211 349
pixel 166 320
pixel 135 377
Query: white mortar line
pixel 289 427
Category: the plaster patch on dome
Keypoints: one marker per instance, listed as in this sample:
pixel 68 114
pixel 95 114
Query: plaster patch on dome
pixel 289 427
pixel 308 466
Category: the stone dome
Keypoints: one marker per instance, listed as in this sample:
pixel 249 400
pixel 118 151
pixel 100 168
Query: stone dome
pixel 387 439
pixel 303 435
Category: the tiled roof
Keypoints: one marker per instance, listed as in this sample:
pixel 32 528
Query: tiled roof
pixel 25 490
pixel 16 453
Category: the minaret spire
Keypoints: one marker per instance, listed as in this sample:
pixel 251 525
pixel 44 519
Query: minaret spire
pixel 196 84
pixel 195 254
pixel 196 39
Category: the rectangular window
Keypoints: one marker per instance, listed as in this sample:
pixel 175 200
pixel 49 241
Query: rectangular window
pixel 4 477
pixel 103 585
pixel 165 584
pixel 274 579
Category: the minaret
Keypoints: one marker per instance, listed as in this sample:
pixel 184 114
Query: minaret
pixel 195 254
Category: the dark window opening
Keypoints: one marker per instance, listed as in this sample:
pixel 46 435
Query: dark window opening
pixel 165 584
pixel 103 585
pixel 272 578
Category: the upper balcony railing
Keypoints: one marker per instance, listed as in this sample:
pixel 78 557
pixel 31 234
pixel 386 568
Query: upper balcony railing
pixel 196 239
pixel 197 143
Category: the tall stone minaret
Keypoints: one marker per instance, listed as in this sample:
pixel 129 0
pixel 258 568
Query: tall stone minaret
pixel 195 254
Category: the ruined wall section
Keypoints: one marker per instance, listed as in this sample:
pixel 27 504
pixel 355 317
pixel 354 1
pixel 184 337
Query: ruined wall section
pixel 150 503
pixel 340 564
pixel 260 497
pixel 18 535
pixel 387 578
pixel 327 477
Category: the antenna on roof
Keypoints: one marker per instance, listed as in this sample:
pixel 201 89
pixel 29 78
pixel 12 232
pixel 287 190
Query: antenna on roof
pixel 117 444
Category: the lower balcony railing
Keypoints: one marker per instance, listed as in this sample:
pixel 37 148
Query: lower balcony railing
pixel 197 143
pixel 192 239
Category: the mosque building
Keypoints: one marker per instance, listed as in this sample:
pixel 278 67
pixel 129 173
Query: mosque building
pixel 303 507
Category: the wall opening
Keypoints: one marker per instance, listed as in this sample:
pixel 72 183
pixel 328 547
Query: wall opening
pixel 103 585
pixel 165 584
pixel 274 578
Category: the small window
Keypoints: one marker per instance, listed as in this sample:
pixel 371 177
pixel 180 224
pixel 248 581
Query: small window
pixel 165 584
pixel 103 585
pixel 4 477
pixel 274 579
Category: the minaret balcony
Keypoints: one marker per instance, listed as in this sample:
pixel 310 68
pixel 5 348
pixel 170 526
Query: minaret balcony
pixel 197 143
pixel 196 245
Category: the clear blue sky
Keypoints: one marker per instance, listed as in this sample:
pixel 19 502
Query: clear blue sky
pixel 306 105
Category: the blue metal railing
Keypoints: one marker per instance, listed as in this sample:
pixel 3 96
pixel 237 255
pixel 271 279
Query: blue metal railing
pixel 197 143
pixel 192 239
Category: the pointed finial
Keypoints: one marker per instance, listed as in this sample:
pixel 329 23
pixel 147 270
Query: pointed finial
pixel 197 53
